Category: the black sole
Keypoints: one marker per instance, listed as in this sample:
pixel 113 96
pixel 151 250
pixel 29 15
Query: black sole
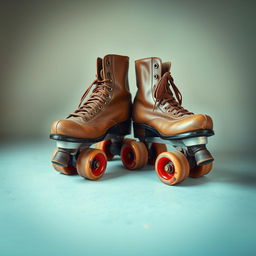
pixel 144 131
pixel 120 129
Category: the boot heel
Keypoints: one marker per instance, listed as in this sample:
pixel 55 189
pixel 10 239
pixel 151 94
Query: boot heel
pixel 121 129
pixel 142 132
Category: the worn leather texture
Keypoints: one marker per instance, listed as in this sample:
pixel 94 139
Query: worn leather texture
pixel 108 104
pixel 155 103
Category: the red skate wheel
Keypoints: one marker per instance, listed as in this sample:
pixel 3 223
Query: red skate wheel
pixel 68 170
pixel 134 154
pixel 91 163
pixel 155 149
pixel 172 167
pixel 200 171
pixel 104 146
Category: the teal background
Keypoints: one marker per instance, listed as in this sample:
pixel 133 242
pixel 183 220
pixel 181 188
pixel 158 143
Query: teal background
pixel 48 52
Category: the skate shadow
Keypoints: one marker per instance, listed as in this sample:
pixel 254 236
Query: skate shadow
pixel 245 177
pixel 194 181
pixel 116 159
pixel 225 176
pixel 116 172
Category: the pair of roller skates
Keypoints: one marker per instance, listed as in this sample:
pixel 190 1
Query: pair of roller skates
pixel 158 118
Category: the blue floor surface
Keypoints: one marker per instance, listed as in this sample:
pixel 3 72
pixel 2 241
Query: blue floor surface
pixel 126 212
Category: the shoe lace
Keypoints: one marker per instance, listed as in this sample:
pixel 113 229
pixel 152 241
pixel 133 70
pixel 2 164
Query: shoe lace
pixel 98 97
pixel 163 94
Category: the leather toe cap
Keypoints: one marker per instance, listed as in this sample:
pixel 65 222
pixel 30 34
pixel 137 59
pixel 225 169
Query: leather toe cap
pixel 67 128
pixel 195 122
pixel 187 124
pixel 73 129
pixel 209 122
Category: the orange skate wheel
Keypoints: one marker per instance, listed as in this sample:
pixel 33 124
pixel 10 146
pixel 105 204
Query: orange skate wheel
pixel 91 163
pixel 200 171
pixel 172 167
pixel 104 146
pixel 134 154
pixel 156 149
pixel 69 170
pixel 127 140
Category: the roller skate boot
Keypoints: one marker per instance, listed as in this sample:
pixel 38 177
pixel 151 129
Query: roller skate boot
pixel 104 116
pixel 158 119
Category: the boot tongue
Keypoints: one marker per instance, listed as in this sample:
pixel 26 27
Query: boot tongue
pixel 162 90
pixel 101 74
pixel 166 67
pixel 99 68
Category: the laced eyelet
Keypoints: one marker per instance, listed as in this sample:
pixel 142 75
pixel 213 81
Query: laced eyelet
pixel 105 103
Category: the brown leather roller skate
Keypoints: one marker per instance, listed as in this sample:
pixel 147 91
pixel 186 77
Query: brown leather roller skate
pixel 159 118
pixel 104 116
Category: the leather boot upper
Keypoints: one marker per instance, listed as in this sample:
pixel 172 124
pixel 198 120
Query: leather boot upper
pixel 108 104
pixel 158 101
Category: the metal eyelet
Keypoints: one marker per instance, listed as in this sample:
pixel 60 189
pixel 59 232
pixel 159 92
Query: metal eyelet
pixel 156 65
pixel 105 103
pixel 100 107
pixel 110 89
pixel 156 76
